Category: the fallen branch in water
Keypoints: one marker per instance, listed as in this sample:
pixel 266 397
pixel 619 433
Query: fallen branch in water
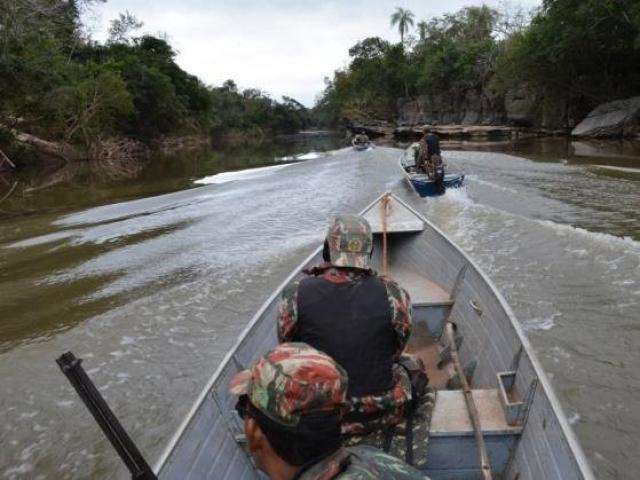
pixel 119 157
pixel 15 184
pixel 55 149
pixel 5 158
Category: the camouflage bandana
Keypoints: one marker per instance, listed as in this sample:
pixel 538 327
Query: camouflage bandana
pixel 291 380
pixel 350 241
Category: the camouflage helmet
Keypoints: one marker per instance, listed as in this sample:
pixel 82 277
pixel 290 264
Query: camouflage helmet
pixel 350 241
pixel 291 380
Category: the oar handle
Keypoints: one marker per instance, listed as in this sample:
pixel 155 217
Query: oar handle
pixel 472 410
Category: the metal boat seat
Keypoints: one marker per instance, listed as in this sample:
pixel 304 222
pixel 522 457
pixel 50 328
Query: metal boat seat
pixel 452 449
pixel 431 303
pixel 423 292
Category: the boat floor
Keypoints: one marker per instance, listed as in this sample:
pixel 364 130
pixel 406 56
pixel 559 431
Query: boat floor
pixel 421 289
pixel 428 350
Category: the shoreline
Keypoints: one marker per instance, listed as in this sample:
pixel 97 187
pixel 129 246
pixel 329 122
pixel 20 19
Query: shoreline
pixel 475 132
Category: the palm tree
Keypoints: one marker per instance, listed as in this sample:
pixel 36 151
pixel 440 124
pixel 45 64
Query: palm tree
pixel 422 30
pixel 404 19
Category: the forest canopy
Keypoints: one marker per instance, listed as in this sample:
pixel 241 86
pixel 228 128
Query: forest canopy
pixel 60 84
pixel 571 54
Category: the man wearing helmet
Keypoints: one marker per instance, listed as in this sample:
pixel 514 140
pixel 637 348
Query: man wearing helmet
pixel 430 156
pixel 361 319
pixel 292 401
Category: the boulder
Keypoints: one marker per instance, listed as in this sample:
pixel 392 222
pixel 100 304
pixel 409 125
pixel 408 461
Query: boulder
pixel 618 119
pixel 518 105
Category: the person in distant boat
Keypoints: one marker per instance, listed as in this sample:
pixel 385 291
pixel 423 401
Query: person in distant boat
pixel 363 321
pixel 361 139
pixel 292 401
pixel 430 156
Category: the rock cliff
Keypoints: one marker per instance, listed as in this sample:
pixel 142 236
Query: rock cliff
pixel 619 119
pixel 516 108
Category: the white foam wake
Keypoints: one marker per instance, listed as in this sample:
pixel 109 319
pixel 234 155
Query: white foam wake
pixel 546 323
pixel 247 174
pixel 618 169
pixel 607 238
pixel 300 157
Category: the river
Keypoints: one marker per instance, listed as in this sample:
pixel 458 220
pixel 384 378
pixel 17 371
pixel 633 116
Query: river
pixel 150 278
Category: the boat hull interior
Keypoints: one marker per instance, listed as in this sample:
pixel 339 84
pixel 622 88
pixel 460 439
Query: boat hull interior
pixel 525 430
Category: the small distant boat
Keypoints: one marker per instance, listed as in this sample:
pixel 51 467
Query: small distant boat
pixel 421 183
pixel 361 142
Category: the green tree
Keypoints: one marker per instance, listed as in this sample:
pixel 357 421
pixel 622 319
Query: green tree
pixel 576 54
pixel 122 27
pixel 403 18
pixel 423 28
pixel 91 109
pixel 458 51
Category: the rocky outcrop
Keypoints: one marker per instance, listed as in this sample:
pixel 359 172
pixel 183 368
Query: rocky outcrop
pixel 457 131
pixel 372 128
pixel 472 108
pixel 619 119
pixel 515 108
pixel 518 107
pixel 516 113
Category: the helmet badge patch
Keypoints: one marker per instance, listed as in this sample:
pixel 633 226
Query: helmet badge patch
pixel 354 245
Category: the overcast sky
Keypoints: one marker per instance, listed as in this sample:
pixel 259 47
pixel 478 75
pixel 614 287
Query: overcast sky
pixel 284 47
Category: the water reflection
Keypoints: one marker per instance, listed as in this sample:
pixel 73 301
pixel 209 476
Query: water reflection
pixel 64 187
pixel 560 149
pixel 154 291
pixel 60 265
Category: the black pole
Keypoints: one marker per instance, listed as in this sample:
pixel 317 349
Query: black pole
pixel 115 432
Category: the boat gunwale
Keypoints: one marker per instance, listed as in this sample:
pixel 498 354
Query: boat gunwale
pixel 570 436
pixel 407 176
pixel 159 464
pixel 567 430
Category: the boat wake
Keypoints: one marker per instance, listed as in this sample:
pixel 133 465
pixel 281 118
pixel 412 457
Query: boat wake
pixel 247 174
pixel 301 157
pixel 463 198
pixel 598 237
pixel 546 323
pixel 495 186
pixel 618 169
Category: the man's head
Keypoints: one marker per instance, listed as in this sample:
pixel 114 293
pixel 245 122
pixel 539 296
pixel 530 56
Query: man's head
pixel 292 401
pixel 349 241
pixel 426 129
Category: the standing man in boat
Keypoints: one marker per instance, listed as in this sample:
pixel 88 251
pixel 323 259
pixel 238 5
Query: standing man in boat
pixel 292 401
pixel 363 321
pixel 430 155
pixel 361 140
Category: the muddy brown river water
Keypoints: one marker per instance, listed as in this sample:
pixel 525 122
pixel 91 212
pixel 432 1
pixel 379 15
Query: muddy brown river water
pixel 151 278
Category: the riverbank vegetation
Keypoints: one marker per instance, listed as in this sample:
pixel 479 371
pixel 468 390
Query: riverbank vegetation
pixel 64 93
pixel 566 57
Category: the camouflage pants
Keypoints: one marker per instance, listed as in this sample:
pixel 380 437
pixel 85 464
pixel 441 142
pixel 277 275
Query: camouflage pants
pixel 394 439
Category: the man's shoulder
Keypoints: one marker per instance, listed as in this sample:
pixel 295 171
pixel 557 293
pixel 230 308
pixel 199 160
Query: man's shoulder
pixel 368 462
pixel 393 288
pixel 291 290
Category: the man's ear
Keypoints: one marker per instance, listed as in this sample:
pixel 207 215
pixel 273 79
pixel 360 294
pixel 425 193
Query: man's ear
pixel 255 437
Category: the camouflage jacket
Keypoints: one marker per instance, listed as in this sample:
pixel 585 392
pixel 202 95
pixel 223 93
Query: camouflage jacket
pixel 393 402
pixel 359 463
